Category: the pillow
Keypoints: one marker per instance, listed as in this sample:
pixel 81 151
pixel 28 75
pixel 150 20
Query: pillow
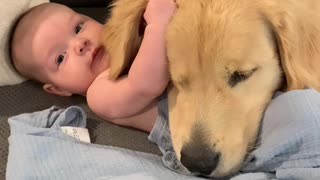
pixel 9 12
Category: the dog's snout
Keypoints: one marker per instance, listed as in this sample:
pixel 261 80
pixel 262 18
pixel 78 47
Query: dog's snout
pixel 199 158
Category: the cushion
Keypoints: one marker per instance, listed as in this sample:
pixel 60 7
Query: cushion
pixel 9 12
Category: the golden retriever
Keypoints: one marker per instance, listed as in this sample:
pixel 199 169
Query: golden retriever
pixel 226 59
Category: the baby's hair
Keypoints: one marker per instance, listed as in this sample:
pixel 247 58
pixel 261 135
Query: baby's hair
pixel 12 33
pixel 13 30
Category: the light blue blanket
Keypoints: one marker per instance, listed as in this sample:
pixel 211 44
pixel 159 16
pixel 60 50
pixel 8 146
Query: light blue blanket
pixel 38 149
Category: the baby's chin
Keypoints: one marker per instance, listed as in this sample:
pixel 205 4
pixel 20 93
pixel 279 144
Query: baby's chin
pixel 81 88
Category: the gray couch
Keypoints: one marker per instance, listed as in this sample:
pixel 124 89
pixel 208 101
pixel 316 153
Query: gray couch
pixel 29 97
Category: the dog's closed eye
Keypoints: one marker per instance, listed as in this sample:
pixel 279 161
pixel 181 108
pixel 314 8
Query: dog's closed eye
pixel 240 76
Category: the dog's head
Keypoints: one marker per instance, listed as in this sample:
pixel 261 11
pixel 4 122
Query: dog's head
pixel 226 59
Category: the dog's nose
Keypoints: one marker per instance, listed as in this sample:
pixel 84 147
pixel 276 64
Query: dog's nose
pixel 199 159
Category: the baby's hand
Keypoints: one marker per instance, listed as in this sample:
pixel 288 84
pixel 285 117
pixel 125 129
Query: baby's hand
pixel 159 12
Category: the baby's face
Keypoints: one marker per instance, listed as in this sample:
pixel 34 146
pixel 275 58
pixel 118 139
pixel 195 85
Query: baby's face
pixel 68 47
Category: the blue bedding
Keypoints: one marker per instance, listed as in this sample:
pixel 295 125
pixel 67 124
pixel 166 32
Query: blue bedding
pixel 38 149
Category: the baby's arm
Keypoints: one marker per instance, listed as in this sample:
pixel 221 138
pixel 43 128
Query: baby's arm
pixel 149 71
pixel 148 75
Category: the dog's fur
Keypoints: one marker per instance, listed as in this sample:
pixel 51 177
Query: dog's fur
pixel 226 59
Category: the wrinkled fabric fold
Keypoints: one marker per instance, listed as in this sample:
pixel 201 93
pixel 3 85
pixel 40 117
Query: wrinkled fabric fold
pixel 289 139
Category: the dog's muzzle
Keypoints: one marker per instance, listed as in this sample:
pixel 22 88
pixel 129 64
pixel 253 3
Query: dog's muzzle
pixel 198 156
pixel 199 159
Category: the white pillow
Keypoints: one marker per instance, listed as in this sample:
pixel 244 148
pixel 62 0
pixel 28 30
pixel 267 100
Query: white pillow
pixel 9 12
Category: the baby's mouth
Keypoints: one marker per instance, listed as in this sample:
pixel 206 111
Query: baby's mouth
pixel 97 54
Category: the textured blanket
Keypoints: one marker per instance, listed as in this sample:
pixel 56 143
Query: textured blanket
pixel 39 148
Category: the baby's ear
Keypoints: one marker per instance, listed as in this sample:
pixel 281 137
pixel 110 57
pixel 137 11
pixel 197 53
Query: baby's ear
pixel 121 36
pixel 55 90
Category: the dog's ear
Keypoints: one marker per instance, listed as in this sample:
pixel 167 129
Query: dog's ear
pixel 298 42
pixel 121 34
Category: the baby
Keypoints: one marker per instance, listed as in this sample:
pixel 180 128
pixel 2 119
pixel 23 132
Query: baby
pixel 63 50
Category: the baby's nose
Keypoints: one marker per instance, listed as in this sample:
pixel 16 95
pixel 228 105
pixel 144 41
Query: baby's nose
pixel 82 46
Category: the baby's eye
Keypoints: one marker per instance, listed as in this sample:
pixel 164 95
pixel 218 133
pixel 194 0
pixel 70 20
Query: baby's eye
pixel 78 28
pixel 60 58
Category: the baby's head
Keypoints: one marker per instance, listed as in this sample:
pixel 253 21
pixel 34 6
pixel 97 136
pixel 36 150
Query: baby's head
pixel 54 45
